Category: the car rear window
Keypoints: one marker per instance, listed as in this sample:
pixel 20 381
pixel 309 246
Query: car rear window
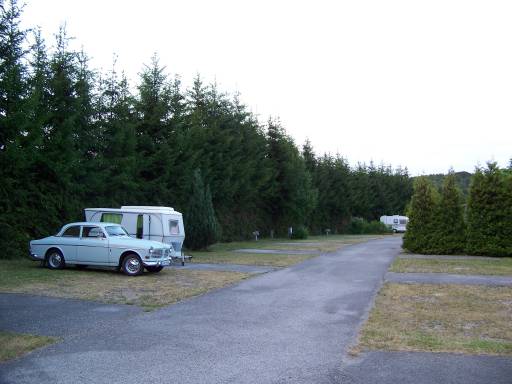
pixel 73 231
pixel 91 231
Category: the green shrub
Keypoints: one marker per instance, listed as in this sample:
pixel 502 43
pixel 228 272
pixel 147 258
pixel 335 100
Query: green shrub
pixel 359 226
pixel 300 233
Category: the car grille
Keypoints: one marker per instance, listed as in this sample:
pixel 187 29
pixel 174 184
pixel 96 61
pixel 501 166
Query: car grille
pixel 161 252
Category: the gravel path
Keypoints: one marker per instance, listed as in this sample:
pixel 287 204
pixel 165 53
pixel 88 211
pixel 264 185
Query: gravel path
pixel 445 278
pixel 425 368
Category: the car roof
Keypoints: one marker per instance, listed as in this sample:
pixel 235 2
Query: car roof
pixel 91 223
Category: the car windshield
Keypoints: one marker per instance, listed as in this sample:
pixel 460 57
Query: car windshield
pixel 116 230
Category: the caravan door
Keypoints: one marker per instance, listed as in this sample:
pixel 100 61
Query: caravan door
pixel 142 226
pixel 151 226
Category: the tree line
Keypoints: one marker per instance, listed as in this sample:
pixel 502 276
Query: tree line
pixel 444 223
pixel 72 137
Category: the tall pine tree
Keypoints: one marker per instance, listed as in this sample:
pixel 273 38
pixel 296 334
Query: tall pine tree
pixel 449 235
pixel 421 212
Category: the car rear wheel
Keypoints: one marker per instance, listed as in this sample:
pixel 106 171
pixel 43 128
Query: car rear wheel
pixel 55 260
pixel 154 269
pixel 132 265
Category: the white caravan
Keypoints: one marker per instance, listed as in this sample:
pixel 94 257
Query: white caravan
pixel 162 224
pixel 396 223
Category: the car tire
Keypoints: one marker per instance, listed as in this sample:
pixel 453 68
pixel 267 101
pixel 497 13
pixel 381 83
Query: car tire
pixel 132 265
pixel 55 259
pixel 154 269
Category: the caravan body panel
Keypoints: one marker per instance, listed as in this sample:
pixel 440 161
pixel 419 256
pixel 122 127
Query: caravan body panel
pixel 396 222
pixel 162 224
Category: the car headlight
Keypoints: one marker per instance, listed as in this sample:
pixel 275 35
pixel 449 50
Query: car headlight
pixel 151 250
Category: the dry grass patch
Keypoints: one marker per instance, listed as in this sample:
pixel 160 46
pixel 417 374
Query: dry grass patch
pixel 499 266
pixel 13 345
pixel 148 290
pixel 440 318
pixel 229 257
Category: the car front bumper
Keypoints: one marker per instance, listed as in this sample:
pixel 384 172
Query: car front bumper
pixel 35 257
pixel 157 263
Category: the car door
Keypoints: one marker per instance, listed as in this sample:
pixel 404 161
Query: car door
pixel 93 247
pixel 69 241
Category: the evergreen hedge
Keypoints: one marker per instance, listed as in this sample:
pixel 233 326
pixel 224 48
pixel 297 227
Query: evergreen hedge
pixel 489 216
pixel 437 224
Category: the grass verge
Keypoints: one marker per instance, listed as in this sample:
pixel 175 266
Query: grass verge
pixel 107 286
pixel 273 260
pixel 500 266
pixel 440 318
pixel 14 345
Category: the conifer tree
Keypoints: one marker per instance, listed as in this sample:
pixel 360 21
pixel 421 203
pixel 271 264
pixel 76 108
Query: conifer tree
pixel 421 213
pixel 490 213
pixel 13 127
pixel 449 235
pixel 200 221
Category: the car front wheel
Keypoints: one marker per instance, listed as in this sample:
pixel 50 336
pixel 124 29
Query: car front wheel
pixel 154 269
pixel 132 265
pixel 55 260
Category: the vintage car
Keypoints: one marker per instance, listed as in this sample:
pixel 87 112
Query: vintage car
pixel 100 244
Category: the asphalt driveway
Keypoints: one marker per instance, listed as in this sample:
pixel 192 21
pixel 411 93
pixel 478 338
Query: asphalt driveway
pixel 289 326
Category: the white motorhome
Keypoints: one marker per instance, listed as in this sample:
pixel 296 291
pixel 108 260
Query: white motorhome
pixel 396 223
pixel 162 224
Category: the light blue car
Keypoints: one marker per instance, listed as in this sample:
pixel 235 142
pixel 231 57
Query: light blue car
pixel 100 244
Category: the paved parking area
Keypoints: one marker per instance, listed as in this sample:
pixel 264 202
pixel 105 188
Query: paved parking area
pixel 293 325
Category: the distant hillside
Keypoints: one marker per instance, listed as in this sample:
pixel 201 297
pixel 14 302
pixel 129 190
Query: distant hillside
pixel 463 180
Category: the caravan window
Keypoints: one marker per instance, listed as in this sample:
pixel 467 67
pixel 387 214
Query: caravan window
pixel 174 227
pixel 140 226
pixel 115 218
pixel 395 221
pixel 403 221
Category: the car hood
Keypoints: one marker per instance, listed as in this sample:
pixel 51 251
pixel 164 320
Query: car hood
pixel 137 243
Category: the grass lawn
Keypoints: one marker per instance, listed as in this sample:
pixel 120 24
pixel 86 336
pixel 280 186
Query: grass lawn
pixel 224 252
pixel 13 345
pixel 440 318
pixel 228 257
pixel 148 290
pixel 499 266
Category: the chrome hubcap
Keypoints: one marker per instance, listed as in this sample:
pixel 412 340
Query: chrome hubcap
pixel 55 260
pixel 133 265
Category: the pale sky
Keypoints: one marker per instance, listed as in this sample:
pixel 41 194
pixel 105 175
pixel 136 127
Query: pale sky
pixel 422 84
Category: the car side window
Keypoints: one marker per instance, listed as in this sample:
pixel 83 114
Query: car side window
pixel 91 232
pixel 73 231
